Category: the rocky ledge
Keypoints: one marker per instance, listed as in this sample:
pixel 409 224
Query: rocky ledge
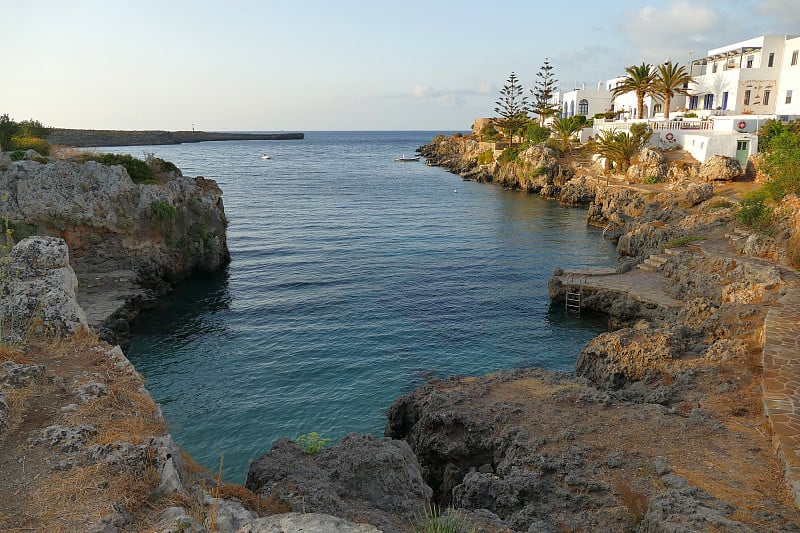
pixel 128 241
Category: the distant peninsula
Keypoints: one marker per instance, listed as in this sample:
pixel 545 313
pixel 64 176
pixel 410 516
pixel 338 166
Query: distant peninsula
pixel 84 138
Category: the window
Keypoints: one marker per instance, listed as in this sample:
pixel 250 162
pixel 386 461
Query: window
pixel 794 57
pixel 750 61
pixel 693 102
pixel 771 59
pixel 708 101
pixel 766 97
pixel 583 107
pixel 657 108
pixel 789 96
pixel 725 100
pixel 741 145
pixel 747 97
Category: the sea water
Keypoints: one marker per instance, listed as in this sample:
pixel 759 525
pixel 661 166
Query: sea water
pixel 353 279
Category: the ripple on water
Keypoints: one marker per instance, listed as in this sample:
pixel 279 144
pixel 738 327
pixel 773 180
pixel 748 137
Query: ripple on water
pixel 352 278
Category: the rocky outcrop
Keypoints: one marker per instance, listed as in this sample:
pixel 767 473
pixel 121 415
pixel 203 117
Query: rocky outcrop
pixel 121 235
pixel 720 167
pixel 37 285
pixel 360 477
pixel 305 523
pixel 73 137
pixel 648 166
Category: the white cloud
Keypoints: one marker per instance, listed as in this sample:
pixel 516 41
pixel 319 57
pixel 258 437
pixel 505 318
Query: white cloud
pixel 786 11
pixel 668 32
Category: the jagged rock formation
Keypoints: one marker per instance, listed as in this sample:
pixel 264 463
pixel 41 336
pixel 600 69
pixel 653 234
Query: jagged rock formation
pixel 361 476
pixel 37 290
pixel 720 167
pixel 121 235
pixel 648 165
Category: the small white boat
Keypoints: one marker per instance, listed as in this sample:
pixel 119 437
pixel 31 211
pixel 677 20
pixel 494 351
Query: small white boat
pixel 403 158
pixel 265 156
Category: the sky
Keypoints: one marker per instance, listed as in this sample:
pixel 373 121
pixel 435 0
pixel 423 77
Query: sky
pixel 305 65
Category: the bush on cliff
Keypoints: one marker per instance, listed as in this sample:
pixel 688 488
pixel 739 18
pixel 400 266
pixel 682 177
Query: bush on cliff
pixel 536 134
pixel 137 169
pixel 511 153
pixel 32 143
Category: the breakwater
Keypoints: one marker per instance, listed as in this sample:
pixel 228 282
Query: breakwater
pixel 83 138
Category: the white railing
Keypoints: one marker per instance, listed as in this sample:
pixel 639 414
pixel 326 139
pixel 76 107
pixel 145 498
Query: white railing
pixel 625 125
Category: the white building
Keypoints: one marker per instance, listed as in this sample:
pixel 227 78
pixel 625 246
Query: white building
pixel 787 103
pixel 628 105
pixel 586 102
pixel 741 78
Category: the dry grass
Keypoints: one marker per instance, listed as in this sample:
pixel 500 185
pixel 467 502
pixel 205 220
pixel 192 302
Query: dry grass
pixel 88 493
pixel 634 500
pixel 70 152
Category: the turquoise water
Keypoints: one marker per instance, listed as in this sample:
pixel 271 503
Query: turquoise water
pixel 353 278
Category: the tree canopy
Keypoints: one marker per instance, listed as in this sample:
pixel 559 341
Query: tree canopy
pixel 639 80
pixel 543 91
pixel 670 79
pixel 512 107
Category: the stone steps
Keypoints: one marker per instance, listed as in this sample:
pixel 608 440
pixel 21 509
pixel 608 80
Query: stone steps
pixel 654 262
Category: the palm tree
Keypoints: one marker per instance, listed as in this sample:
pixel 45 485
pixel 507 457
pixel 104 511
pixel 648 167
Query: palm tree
pixel 671 79
pixel 566 127
pixel 639 79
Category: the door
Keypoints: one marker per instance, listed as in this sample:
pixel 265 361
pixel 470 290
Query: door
pixel 742 152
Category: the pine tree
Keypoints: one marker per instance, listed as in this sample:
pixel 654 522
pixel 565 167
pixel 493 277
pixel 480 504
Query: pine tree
pixel 543 91
pixel 512 107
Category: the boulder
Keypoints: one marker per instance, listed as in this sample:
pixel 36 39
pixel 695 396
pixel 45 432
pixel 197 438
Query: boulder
pixel 578 191
pixel 361 476
pixel 612 360
pixel 38 289
pixel 648 164
pixel 720 167
pixel 696 193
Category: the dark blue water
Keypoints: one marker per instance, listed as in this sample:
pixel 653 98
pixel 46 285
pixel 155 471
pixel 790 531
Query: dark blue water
pixel 353 277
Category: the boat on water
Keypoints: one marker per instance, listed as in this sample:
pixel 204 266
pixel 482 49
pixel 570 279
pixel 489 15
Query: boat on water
pixel 403 158
pixel 265 156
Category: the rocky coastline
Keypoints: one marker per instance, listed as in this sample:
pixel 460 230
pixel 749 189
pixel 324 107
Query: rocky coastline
pixel 90 138
pixel 661 428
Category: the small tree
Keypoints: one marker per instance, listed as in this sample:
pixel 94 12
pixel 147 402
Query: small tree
pixel 670 79
pixel 619 147
pixel 639 80
pixel 8 128
pixel 512 107
pixel 536 134
pixel 543 92
pixel 33 128
pixel 566 127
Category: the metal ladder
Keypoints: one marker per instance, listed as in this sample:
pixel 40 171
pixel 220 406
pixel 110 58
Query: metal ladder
pixel 573 298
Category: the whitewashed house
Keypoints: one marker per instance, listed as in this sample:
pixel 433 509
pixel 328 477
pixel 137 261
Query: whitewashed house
pixel 627 103
pixel 742 78
pixel 787 101
pixel 583 101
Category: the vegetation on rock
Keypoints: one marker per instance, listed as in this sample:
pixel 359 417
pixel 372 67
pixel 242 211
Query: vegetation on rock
pixel 138 170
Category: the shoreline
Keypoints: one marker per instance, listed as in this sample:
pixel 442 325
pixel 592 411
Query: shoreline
pixel 81 138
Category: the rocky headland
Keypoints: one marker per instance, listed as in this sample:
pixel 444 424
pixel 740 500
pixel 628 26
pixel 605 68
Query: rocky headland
pixel 86 138
pixel 671 421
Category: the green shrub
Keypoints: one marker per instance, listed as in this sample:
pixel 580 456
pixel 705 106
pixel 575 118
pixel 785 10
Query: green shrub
pixel 312 443
pixel 485 158
pixel 651 179
pixel 17 155
pixel 137 169
pixel 690 114
pixel 19 230
pixel 754 212
pixel 32 143
pixel 511 153
pixel 681 241
pixel 536 134
pixel 489 133
pixel 782 165
pixel 720 203
pixel 162 212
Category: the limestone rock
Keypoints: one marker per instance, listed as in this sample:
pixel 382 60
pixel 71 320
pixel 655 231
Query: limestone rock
pixel 612 360
pixel 378 478
pixel 683 507
pixel 39 284
pixel 647 164
pixel 720 167
pixel 578 191
pixel 696 193
pixel 305 523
